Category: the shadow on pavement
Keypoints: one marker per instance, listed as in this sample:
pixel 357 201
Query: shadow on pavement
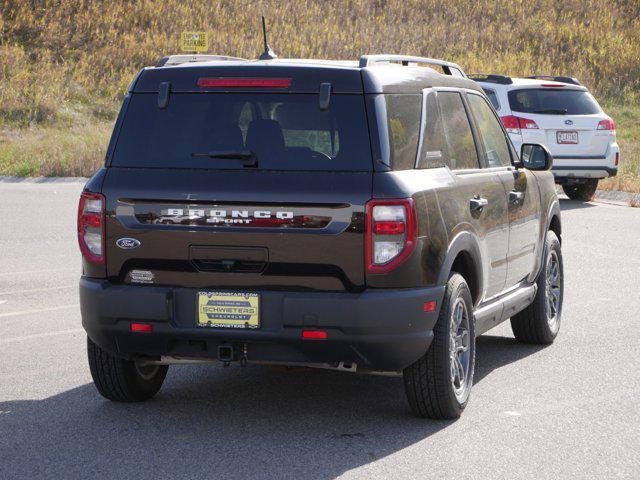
pixel 566 204
pixel 215 422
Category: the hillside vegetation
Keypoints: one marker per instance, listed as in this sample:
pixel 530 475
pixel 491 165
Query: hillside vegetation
pixel 65 64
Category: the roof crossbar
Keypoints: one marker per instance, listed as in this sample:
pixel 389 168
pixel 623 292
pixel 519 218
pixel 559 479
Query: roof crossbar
pixel 449 68
pixel 491 78
pixel 571 80
pixel 179 59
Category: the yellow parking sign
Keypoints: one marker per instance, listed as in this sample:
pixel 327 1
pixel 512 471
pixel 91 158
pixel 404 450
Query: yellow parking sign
pixel 194 42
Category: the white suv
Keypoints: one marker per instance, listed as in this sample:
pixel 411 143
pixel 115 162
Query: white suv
pixel 561 114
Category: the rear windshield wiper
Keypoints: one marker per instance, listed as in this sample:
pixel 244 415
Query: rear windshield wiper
pixel 552 111
pixel 247 155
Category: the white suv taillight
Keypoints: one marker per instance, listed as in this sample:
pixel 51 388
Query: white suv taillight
pixel 391 233
pixel 513 124
pixel 606 125
pixel 91 226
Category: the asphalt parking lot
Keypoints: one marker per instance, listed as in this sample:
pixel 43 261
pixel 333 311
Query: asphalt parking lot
pixel 566 411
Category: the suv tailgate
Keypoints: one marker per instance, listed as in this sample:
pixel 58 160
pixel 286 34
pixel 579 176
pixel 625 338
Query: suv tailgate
pixel 188 226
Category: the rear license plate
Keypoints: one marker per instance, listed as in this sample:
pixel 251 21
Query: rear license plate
pixel 228 309
pixel 567 137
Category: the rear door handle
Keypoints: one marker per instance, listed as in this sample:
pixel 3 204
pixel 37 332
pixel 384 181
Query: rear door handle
pixel 515 197
pixel 478 203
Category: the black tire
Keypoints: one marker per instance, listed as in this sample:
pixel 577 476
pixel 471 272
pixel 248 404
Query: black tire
pixel 584 191
pixel 429 383
pixel 534 324
pixel 122 380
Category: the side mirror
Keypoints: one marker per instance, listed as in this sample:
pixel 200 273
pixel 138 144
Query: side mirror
pixel 534 156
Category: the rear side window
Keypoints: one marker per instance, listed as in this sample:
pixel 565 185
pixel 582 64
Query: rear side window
pixel 553 102
pixel 461 148
pixel 433 152
pixel 282 131
pixel 494 142
pixel 403 121
pixel 493 97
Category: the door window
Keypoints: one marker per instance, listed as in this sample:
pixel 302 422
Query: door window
pixel 493 98
pixel 461 150
pixel 494 141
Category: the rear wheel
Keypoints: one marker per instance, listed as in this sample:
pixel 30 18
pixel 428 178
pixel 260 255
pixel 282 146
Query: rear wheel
pixel 584 191
pixel 123 380
pixel 539 323
pixel 438 384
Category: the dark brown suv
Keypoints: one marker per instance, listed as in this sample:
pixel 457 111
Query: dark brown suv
pixel 365 216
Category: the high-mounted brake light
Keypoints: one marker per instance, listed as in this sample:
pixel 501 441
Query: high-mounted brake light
pixel 244 82
pixel 91 226
pixel 513 124
pixel 606 124
pixel 552 85
pixel 141 327
pixel 314 334
pixel 391 233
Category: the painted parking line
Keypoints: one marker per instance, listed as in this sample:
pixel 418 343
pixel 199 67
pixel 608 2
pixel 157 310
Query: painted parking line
pixel 39 335
pixel 33 290
pixel 51 270
pixel 38 310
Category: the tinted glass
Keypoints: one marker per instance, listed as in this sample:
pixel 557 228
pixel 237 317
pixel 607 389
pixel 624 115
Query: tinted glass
pixel 433 152
pixel 494 142
pixel 459 139
pixel 403 120
pixel 493 98
pixel 283 131
pixel 557 101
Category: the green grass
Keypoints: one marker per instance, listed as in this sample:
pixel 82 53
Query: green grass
pixel 64 64
pixel 627 118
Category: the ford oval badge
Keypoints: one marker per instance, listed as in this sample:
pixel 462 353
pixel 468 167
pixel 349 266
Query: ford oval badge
pixel 128 243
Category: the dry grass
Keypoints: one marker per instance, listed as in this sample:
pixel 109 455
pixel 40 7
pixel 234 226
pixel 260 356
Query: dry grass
pixel 64 64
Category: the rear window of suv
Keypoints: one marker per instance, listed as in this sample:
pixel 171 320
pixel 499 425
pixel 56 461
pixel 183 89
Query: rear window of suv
pixel 553 102
pixel 282 131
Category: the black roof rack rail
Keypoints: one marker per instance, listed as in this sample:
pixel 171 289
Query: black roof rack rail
pixel 192 58
pixel 449 68
pixel 571 80
pixel 490 78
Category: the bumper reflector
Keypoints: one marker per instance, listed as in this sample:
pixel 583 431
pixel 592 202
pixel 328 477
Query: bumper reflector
pixel 430 306
pixel 314 335
pixel 141 327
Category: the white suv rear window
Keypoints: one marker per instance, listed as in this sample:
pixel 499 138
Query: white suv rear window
pixel 553 101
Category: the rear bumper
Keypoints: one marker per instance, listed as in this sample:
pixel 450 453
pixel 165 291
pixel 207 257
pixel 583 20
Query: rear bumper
pixel 567 167
pixel 383 330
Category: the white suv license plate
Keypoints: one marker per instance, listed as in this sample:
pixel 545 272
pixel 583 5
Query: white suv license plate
pixel 567 137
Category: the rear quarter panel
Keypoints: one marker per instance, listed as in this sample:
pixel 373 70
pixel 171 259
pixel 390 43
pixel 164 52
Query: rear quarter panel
pixel 549 207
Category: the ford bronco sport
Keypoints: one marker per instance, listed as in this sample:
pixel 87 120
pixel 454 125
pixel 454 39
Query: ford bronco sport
pixel 367 216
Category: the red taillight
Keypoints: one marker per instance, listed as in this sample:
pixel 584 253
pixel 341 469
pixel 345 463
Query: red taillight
pixel 141 327
pixel 243 82
pixel 617 161
pixel 391 233
pixel 314 334
pixel 91 226
pixel 514 124
pixel 607 124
